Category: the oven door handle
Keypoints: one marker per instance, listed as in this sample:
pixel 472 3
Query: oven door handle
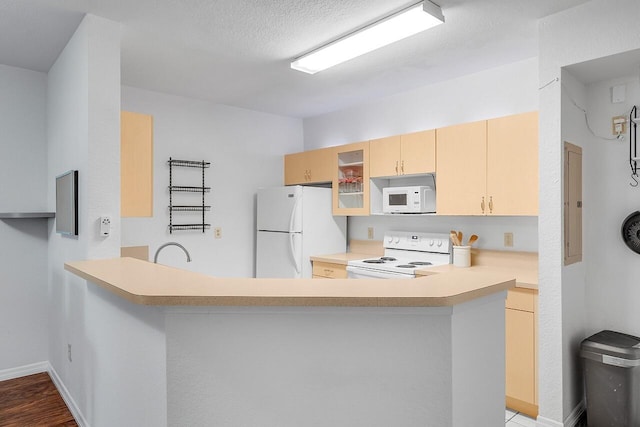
pixel 364 273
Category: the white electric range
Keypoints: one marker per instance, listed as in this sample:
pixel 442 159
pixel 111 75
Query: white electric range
pixel 404 252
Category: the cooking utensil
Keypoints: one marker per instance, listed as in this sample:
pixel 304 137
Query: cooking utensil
pixel 459 238
pixel 472 239
pixel 454 238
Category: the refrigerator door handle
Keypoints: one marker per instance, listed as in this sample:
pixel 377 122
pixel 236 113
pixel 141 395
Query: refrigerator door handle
pixel 294 211
pixel 292 252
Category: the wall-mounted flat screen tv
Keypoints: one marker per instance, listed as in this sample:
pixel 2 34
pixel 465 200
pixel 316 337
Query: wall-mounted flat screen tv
pixel 67 203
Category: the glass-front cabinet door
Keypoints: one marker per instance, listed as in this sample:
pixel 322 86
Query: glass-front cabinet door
pixel 351 179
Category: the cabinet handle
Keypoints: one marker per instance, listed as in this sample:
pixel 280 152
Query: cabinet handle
pixel 396 167
pixel 490 204
pixel 482 204
pixel 402 167
pixel 328 271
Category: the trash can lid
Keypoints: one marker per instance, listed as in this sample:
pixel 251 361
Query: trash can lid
pixel 613 344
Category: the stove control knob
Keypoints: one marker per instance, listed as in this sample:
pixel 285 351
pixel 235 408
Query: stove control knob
pixel 439 243
pixel 431 242
pixel 397 240
pixel 390 239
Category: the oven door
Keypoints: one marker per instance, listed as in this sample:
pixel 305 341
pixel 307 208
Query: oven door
pixel 364 273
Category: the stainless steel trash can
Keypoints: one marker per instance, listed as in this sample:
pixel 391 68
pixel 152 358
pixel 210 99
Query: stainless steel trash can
pixel 612 379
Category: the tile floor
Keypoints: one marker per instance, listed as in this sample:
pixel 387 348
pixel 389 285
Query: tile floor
pixel 515 419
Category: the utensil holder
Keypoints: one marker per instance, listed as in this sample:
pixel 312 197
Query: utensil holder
pixel 462 256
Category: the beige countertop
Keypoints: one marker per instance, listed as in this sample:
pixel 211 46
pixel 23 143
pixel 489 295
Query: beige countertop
pixel 340 258
pixel 142 282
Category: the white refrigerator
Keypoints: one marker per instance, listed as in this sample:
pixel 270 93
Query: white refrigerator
pixel 294 223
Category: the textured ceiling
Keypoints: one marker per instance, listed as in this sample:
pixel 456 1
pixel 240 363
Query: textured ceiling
pixel 237 52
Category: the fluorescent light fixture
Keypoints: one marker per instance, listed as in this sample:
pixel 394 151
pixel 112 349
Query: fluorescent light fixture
pixel 402 24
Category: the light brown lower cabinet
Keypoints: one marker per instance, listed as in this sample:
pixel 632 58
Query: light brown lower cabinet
pixel 328 270
pixel 522 351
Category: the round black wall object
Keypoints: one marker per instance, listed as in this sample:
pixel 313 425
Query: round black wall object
pixel 631 231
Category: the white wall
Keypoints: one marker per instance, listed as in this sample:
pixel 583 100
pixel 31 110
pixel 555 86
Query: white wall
pixel 502 91
pixel 83 132
pixel 23 253
pixel 245 149
pixel 593 30
pixel 573 297
pixel 611 273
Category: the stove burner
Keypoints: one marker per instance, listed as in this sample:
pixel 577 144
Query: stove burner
pixel 406 266
pixel 388 258
pixel 420 263
pixel 374 261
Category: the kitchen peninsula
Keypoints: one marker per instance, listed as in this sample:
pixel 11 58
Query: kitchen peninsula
pixel 313 352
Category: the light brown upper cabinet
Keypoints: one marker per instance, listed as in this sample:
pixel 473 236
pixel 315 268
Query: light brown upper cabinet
pixel 461 169
pixel 488 167
pixel 308 167
pixel 512 165
pixel 351 179
pixel 409 154
pixel 136 164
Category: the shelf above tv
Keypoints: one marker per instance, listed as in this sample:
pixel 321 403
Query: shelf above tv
pixel 24 215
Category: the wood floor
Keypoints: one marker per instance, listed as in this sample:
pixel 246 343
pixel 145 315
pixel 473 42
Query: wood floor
pixel 32 401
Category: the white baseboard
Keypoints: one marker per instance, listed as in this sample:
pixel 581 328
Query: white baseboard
pixel 546 422
pixel 23 371
pixel 66 396
pixel 570 421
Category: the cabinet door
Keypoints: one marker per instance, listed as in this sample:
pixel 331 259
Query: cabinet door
pixel 512 165
pixel 384 156
pixel 136 164
pixel 418 153
pixel 520 360
pixel 320 165
pixel 295 168
pixel 461 169
pixel 351 179
pixel 308 167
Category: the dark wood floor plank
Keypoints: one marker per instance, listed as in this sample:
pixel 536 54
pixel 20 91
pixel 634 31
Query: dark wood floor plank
pixel 32 401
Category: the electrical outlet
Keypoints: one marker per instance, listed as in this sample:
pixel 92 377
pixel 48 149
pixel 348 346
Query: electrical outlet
pixel 217 232
pixel 508 239
pixel 618 125
pixel 370 233
pixel 69 353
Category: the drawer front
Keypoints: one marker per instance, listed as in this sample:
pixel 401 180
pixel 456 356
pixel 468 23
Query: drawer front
pixel 329 270
pixel 521 299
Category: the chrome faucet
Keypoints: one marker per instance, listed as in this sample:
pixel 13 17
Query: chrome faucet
pixel 155 258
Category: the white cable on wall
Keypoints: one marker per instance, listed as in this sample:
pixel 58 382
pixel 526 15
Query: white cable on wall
pixel 619 136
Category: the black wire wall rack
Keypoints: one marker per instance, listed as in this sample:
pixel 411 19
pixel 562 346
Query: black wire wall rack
pixel 202 207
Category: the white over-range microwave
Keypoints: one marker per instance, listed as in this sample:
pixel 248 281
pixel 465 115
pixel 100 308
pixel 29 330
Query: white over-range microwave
pixel 409 200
